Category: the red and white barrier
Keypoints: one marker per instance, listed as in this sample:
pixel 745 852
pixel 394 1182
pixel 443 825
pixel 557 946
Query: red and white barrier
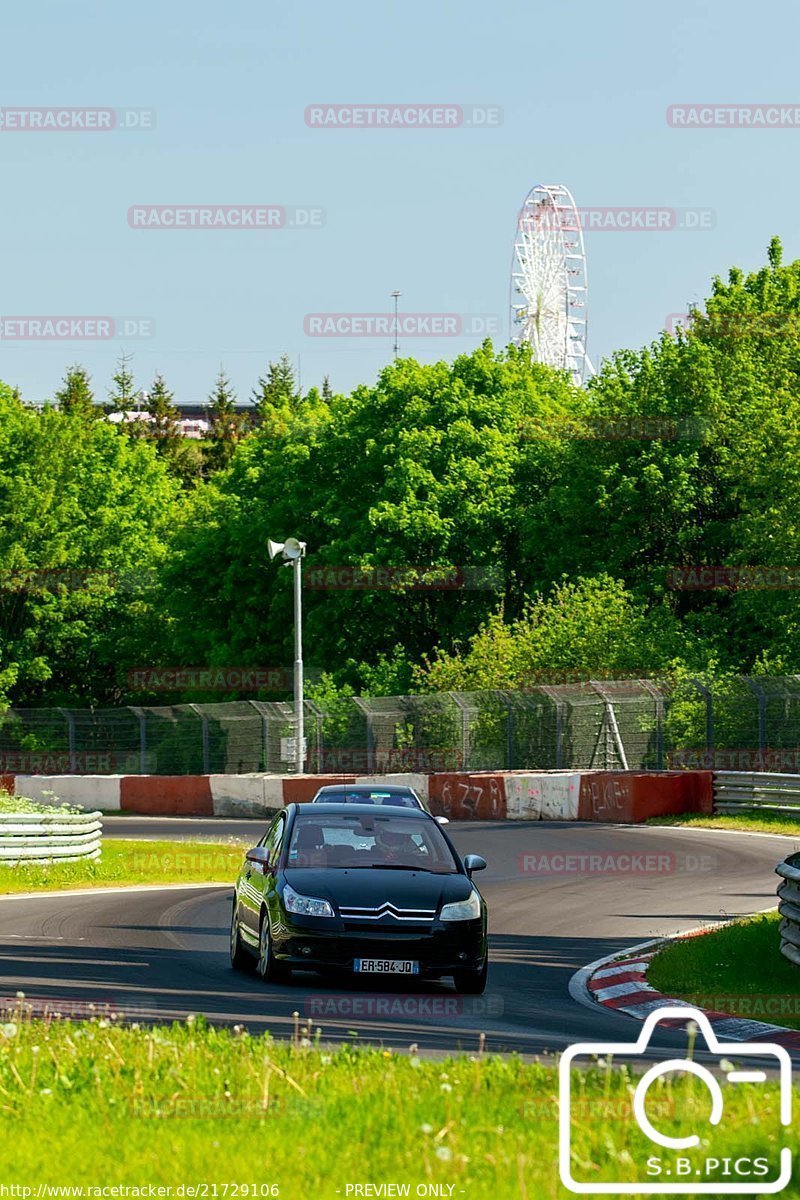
pixel 91 791
pixel 616 796
pixel 630 797
pixel 544 796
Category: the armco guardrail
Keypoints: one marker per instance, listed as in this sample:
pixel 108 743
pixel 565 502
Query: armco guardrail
pixel 49 837
pixel 738 790
pixel 789 908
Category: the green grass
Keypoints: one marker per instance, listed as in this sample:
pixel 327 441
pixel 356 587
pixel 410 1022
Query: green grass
pixel 100 1103
pixel 20 804
pixel 737 969
pixel 753 821
pixel 126 863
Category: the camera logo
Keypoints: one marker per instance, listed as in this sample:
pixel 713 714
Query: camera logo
pixel 676 1170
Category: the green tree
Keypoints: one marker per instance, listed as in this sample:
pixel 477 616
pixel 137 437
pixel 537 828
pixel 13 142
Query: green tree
pixel 85 519
pixel 122 395
pixel 589 628
pixel 226 423
pixel 751 331
pixel 412 487
pixel 276 396
pixel 690 454
pixel 165 416
pixel 75 394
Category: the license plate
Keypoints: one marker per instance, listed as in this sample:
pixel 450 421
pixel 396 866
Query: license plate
pixel 387 966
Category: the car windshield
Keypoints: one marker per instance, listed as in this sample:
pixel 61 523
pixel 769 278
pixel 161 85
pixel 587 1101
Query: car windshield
pixel 371 796
pixel 367 840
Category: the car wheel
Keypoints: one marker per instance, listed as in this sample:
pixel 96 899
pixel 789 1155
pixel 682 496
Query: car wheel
pixel 240 959
pixel 473 983
pixel 270 970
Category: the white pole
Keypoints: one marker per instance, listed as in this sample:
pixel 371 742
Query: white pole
pixel 298 669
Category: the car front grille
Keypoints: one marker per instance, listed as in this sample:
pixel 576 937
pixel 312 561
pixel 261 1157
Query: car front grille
pixel 387 912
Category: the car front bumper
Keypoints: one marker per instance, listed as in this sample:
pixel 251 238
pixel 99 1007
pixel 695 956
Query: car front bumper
pixel 440 949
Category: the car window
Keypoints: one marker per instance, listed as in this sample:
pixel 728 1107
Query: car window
pixel 274 839
pixel 369 840
pixel 376 796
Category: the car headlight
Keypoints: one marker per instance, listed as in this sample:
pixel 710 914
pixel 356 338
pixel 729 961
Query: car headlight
pixel 306 906
pixel 462 910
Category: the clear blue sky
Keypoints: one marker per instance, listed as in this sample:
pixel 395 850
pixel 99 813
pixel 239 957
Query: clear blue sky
pixel 584 87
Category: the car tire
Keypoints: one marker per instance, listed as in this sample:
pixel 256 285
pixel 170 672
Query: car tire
pixel 472 983
pixel 270 970
pixel 240 959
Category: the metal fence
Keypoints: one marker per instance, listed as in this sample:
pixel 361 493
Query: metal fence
pixel 789 908
pixel 740 724
pixel 741 791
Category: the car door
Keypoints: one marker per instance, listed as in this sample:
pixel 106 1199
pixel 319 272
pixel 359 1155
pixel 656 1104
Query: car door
pixel 270 877
pixel 255 878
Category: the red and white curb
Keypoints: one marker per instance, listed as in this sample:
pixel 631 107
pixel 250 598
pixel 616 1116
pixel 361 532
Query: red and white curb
pixel 619 982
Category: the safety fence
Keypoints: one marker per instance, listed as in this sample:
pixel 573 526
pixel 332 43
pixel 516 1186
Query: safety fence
pixel 49 836
pixel 742 724
pixel 789 908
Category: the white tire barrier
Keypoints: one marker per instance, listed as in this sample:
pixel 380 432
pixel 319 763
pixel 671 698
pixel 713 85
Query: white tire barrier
pixel 49 837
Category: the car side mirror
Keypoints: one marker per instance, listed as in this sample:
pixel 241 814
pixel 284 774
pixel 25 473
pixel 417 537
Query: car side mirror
pixel 442 820
pixel 258 855
pixel 474 862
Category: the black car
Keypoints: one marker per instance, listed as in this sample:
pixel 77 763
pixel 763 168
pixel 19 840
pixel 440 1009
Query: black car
pixel 361 889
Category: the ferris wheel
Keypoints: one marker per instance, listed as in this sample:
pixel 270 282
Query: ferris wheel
pixel 549 284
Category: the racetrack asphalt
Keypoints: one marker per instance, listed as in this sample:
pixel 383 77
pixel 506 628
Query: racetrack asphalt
pixel 163 953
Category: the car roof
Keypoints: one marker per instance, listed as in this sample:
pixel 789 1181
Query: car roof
pixel 389 788
pixel 351 810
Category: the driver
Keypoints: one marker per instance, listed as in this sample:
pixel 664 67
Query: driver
pixel 394 846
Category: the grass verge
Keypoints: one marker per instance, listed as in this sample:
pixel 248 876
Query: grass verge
pixel 126 863
pixel 187 1105
pixel 20 804
pixel 752 821
pixel 737 969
